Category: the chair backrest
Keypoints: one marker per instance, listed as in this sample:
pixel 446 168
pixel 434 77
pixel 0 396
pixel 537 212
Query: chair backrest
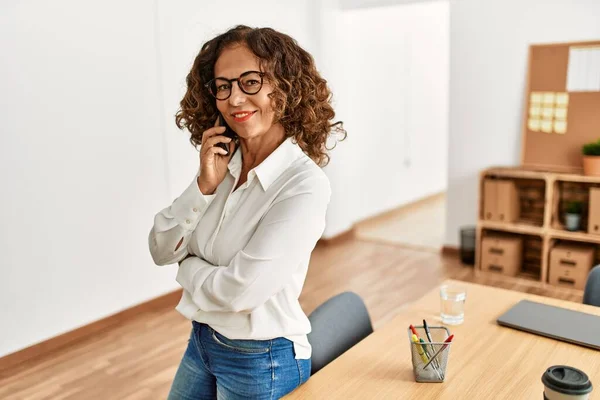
pixel 591 293
pixel 337 325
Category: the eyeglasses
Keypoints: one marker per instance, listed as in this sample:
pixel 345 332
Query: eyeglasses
pixel 249 82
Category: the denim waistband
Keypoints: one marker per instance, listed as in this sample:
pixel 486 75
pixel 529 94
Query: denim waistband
pixel 200 328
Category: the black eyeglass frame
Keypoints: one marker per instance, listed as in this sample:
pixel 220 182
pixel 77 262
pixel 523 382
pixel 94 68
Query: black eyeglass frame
pixel 209 83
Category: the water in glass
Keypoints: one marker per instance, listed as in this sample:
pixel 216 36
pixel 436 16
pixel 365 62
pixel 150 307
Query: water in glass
pixel 453 304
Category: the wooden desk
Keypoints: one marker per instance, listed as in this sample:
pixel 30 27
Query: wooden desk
pixel 486 361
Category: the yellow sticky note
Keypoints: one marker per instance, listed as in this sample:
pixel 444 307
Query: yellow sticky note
pixel 562 99
pixel 549 98
pixel 535 97
pixel 533 124
pixel 535 111
pixel 560 127
pixel 547 112
pixel 560 113
pixel 546 126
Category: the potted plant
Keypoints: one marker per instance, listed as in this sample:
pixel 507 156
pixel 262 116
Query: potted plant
pixel 573 215
pixel 591 158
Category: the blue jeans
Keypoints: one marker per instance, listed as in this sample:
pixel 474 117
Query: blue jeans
pixel 215 367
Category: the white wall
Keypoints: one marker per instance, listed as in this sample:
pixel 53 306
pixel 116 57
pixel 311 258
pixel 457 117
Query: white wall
pixel 89 151
pixel 355 4
pixel 488 64
pixel 80 165
pixel 392 90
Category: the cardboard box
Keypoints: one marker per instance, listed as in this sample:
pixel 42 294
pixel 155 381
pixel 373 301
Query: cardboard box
pixel 594 212
pixel 502 254
pixel 489 200
pixel 570 265
pixel 500 201
pixel 508 207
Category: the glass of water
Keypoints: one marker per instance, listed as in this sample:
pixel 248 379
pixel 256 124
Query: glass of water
pixel 452 298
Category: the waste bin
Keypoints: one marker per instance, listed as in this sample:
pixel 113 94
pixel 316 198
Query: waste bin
pixel 467 245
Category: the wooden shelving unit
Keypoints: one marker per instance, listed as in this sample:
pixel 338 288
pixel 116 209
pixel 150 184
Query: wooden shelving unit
pixel 574 236
pixel 549 229
pixel 514 227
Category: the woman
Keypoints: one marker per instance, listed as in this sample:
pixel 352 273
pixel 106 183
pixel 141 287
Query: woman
pixel 244 230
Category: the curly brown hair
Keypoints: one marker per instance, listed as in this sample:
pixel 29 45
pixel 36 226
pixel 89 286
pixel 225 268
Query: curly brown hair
pixel 301 99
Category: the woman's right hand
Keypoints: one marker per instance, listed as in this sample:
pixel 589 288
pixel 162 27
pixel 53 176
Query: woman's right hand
pixel 213 159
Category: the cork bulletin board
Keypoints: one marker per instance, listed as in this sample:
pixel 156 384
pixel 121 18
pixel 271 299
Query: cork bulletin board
pixel 562 105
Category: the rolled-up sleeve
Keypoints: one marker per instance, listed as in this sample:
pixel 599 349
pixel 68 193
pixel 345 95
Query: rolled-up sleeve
pixel 285 237
pixel 176 224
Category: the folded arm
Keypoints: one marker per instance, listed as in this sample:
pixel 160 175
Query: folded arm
pixel 286 235
pixel 174 225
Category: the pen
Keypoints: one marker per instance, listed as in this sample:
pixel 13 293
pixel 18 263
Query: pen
pixel 414 331
pixel 426 327
pixel 420 348
pixel 434 365
pixel 423 344
pixel 428 333
pixel 446 343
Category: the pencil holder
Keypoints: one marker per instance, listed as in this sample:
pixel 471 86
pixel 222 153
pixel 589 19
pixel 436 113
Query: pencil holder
pixel 430 358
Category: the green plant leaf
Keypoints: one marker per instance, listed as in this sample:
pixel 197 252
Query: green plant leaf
pixel 591 149
pixel 574 207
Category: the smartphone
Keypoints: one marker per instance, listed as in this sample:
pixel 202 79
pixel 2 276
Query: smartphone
pixel 228 132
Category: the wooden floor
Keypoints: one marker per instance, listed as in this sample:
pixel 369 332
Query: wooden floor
pixel 419 225
pixel 138 359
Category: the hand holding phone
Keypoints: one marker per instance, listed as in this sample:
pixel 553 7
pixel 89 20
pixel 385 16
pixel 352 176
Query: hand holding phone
pixel 228 133
pixel 215 153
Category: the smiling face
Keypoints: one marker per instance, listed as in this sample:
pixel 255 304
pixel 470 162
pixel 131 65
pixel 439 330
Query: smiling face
pixel 250 116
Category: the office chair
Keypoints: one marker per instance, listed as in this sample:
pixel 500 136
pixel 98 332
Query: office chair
pixel 337 325
pixel 591 293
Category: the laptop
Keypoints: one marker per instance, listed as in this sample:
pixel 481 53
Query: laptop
pixel 554 322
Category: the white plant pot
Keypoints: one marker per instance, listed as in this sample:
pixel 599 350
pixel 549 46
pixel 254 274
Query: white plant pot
pixel 572 221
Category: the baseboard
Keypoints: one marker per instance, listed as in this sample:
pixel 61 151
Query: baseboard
pixel 386 215
pixel 49 346
pixel 338 239
pixel 450 251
